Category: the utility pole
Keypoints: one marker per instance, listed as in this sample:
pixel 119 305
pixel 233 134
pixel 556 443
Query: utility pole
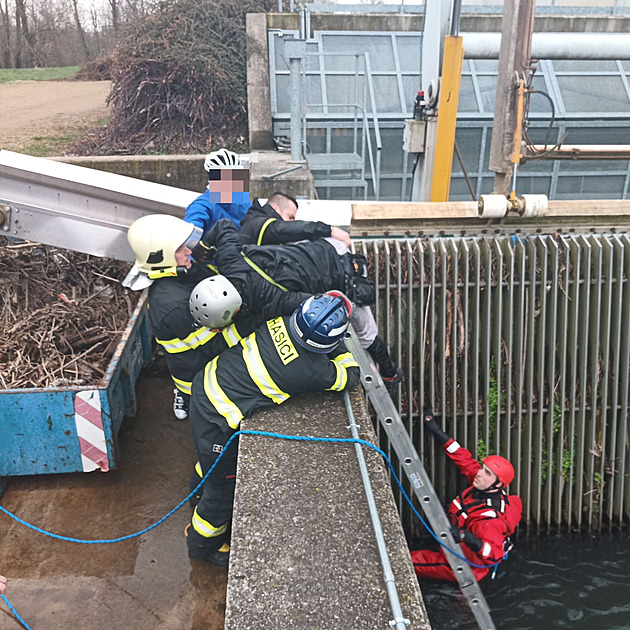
pixel 514 65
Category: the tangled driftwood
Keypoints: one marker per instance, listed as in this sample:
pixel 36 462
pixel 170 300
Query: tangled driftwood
pixel 62 315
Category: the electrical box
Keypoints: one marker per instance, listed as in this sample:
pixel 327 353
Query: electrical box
pixel 413 135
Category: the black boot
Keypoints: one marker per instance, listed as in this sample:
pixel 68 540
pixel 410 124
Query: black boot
pixel 390 372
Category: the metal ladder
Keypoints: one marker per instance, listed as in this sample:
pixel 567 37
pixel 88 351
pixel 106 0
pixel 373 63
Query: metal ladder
pixel 418 479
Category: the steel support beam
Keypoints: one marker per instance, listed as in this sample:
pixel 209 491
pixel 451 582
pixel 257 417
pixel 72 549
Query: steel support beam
pixel 78 208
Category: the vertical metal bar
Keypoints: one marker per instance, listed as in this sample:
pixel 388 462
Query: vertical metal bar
pixel 421 341
pixel 464 294
pixel 603 413
pixel 441 302
pixel 590 384
pixel 539 331
pixel 508 340
pixel 583 350
pixel 551 353
pixel 486 337
pixel 562 451
pixel 574 504
pixel 615 420
pixel 454 323
pixel 431 351
pixel 529 331
pixel 494 428
pixel 475 335
pixel 624 402
pixel 296 110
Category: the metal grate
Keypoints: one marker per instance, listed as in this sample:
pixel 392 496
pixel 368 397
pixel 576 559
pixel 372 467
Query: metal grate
pixel 522 346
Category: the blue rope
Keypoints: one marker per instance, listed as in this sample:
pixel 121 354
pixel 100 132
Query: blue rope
pixel 15 613
pixel 281 436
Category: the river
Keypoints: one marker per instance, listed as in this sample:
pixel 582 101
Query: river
pixel 575 581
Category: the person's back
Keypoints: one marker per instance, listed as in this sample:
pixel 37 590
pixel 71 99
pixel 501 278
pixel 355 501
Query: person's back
pixel 284 357
pixel 274 223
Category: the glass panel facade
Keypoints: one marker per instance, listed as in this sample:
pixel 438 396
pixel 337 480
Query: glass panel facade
pixel 591 106
pixel 589 93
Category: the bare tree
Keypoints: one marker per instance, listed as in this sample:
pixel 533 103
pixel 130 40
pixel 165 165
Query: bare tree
pixel 23 37
pixel 80 31
pixel 6 36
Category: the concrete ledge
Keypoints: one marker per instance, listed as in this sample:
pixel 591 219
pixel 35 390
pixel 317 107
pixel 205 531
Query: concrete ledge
pixel 304 553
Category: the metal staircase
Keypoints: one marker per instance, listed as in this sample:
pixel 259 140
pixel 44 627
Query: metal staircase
pixel 358 118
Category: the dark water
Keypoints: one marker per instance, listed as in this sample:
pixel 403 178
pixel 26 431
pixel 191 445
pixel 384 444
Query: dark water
pixel 573 581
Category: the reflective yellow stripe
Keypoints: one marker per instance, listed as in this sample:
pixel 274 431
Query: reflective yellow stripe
pixel 258 270
pixel 231 335
pixel 218 398
pixel 184 386
pixel 341 380
pixel 259 373
pixel 346 359
pixel 198 469
pixel 262 230
pixel 205 528
pixel 194 340
pixel 342 362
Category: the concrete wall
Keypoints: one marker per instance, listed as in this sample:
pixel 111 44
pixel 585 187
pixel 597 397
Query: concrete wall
pixel 304 554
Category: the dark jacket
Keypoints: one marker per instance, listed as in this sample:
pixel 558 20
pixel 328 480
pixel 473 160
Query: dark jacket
pixel 262 225
pixel 187 347
pixel 266 368
pixel 274 280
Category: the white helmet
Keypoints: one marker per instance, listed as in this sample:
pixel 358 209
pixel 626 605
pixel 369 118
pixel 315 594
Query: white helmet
pixel 154 239
pixel 214 301
pixel 222 159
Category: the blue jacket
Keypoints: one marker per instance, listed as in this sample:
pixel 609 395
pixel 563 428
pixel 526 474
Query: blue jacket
pixel 204 214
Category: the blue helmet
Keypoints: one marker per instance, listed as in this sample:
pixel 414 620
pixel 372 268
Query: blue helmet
pixel 320 322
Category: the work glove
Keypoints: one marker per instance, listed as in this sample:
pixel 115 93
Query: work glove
pixel 432 427
pixel 467 537
pixel 203 253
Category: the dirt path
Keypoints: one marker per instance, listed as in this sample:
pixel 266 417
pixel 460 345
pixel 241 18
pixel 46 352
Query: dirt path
pixel 38 108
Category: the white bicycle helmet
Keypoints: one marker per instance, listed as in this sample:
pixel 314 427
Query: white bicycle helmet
pixel 214 301
pixel 222 159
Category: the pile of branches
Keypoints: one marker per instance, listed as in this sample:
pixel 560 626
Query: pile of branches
pixel 180 79
pixel 62 316
pixel 99 69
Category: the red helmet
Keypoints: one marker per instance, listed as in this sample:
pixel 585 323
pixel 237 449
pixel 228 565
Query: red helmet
pixel 501 467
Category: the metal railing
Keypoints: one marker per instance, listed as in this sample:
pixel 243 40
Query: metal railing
pixel 522 347
pixel 368 97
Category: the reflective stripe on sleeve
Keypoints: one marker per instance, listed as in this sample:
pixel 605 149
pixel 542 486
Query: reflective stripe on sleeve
pixel 453 446
pixel 341 380
pixel 194 340
pixel 198 469
pixel 258 372
pixel 346 359
pixel 184 386
pixel 263 228
pixel 486 549
pixel 231 335
pixel 205 528
pixel 218 398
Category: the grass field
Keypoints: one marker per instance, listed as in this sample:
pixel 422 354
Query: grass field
pixel 36 74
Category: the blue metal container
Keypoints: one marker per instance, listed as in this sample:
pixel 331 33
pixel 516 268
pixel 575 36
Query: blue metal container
pixel 61 430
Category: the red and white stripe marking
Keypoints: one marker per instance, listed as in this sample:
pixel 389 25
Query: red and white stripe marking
pixel 89 423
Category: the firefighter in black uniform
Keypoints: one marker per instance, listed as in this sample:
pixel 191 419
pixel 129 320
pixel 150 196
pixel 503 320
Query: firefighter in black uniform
pixel 163 245
pixel 275 224
pixel 273 279
pixel 283 357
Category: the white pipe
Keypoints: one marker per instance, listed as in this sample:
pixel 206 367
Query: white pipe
pixel 554 45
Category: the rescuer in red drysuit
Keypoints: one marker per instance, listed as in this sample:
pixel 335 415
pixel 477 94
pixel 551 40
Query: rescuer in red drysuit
pixel 482 516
